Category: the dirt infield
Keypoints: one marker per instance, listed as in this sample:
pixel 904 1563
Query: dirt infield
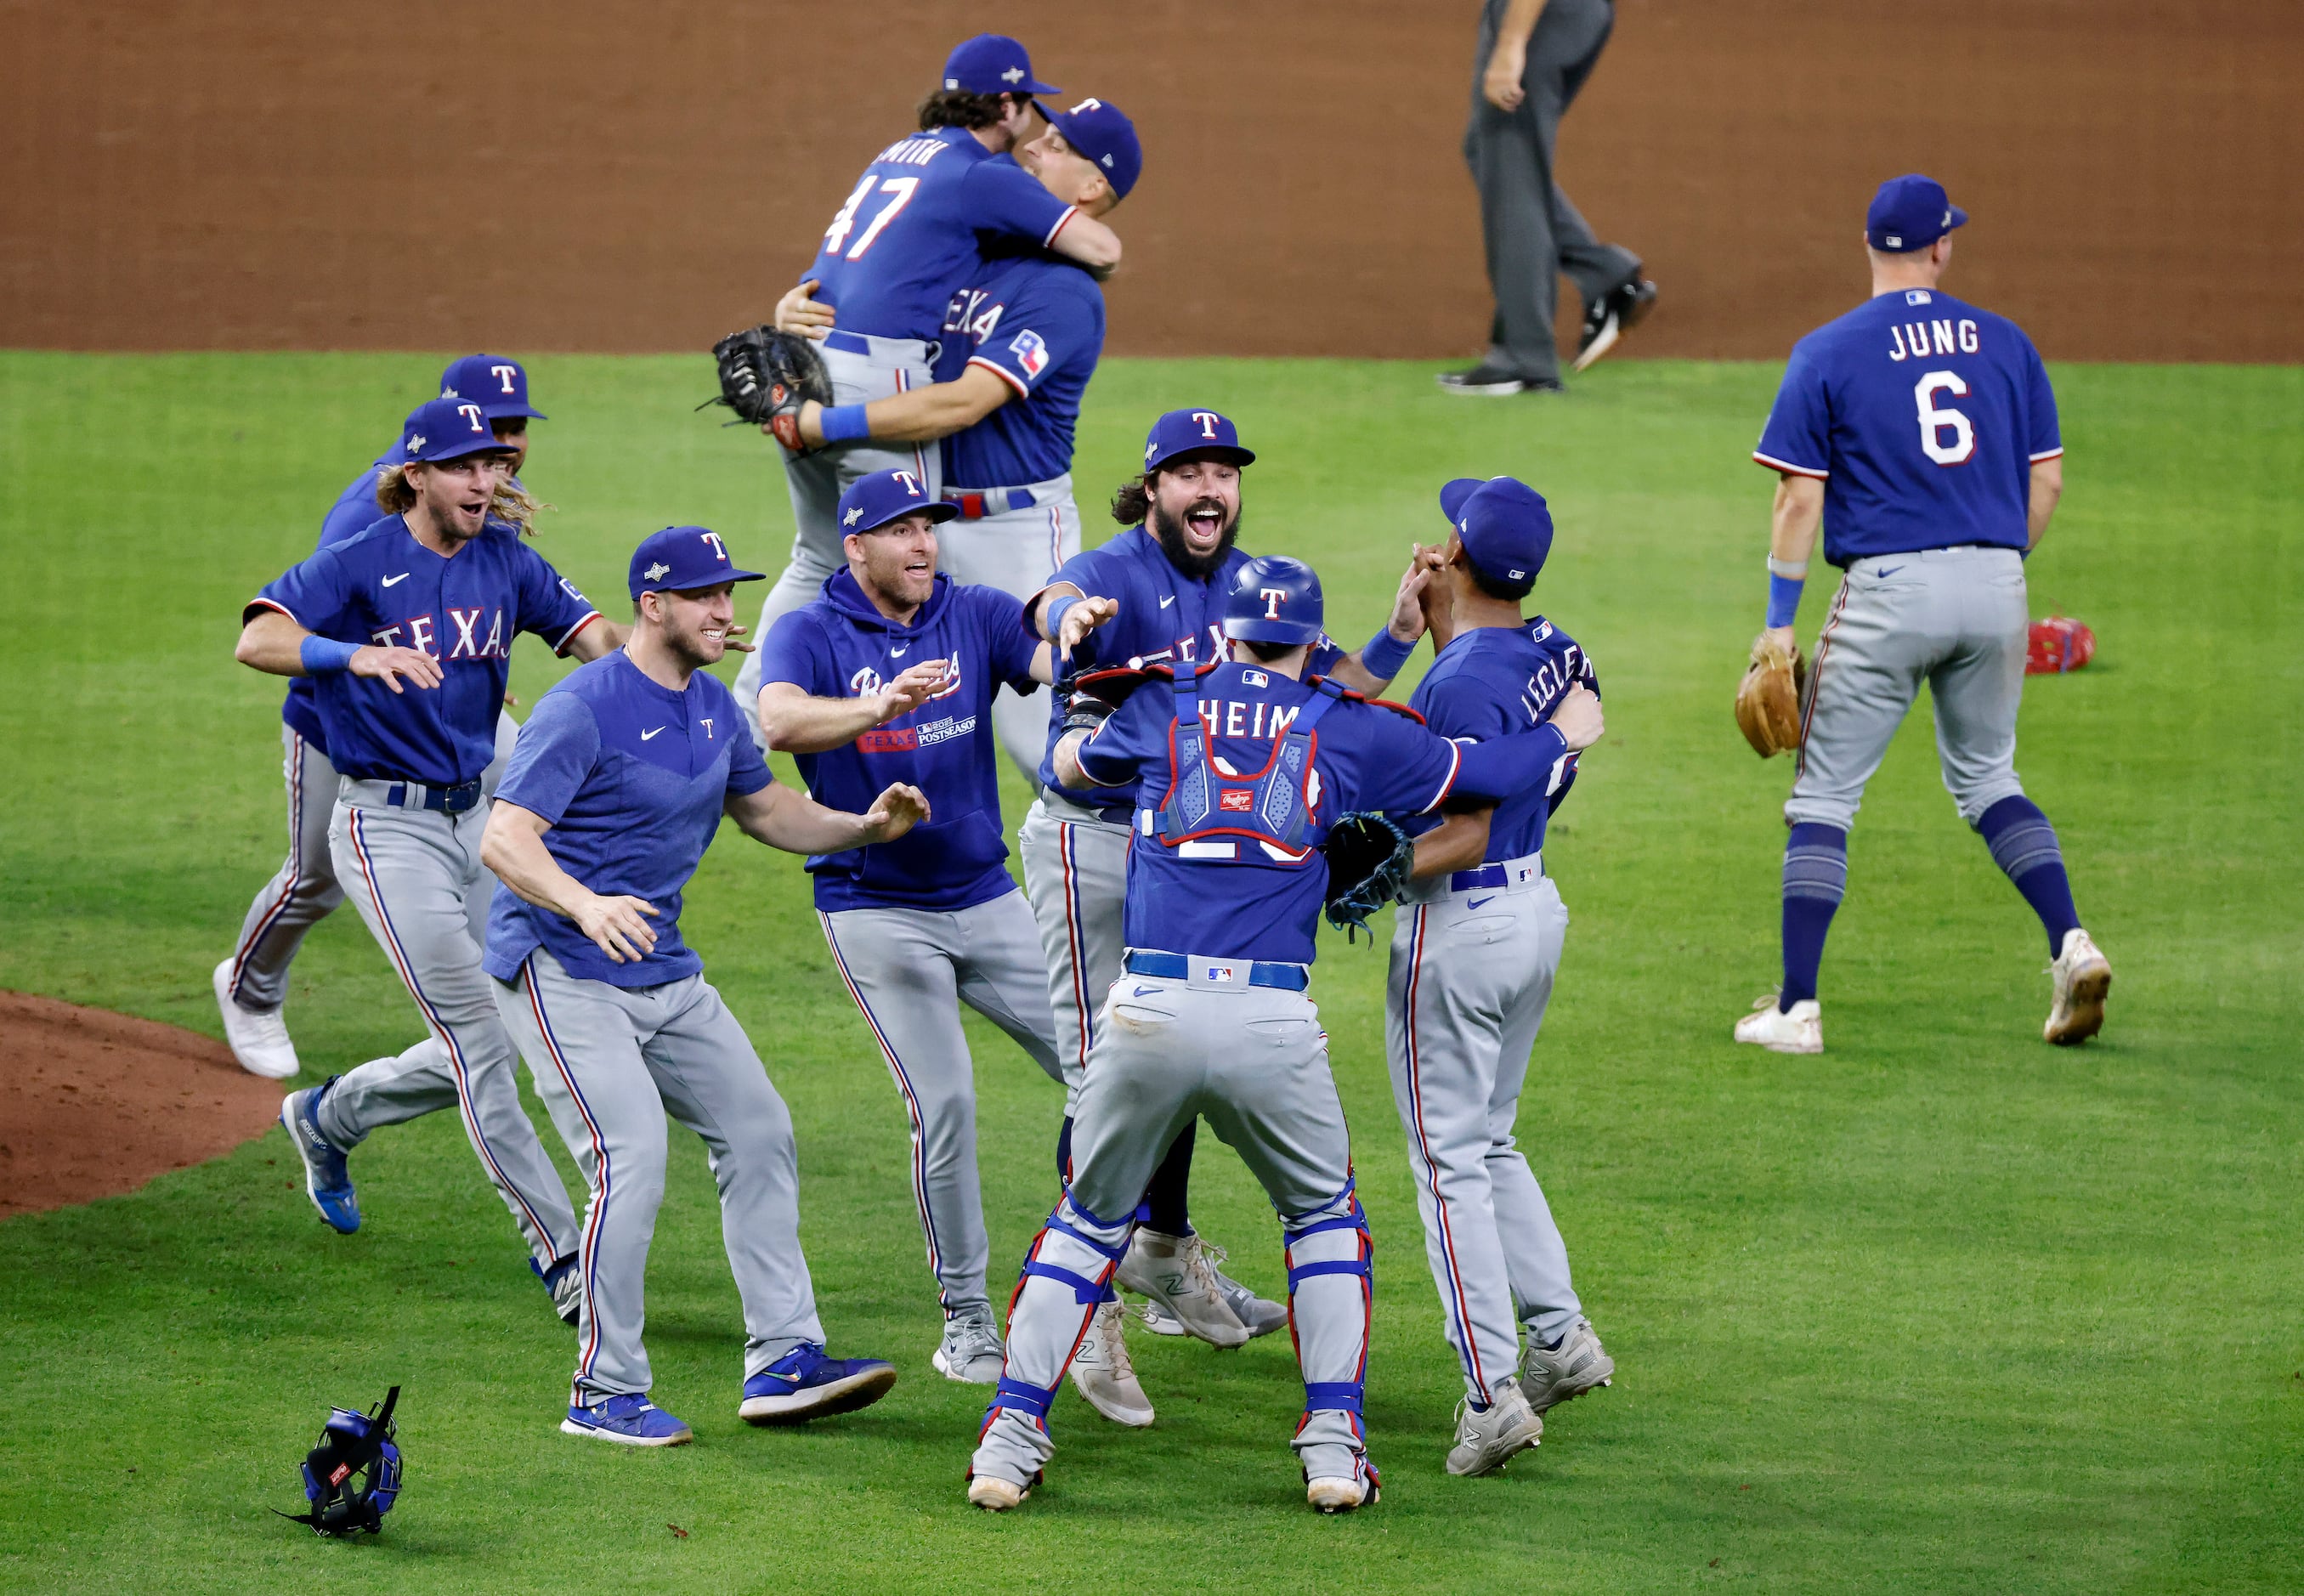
pixel 256 175
pixel 93 1103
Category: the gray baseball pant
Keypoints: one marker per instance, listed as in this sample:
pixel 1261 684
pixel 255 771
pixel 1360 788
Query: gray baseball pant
pixel 1463 1001
pixel 416 878
pixel 890 367
pixel 1016 551
pixel 1530 230
pixel 1253 1061
pixel 1076 874
pixel 909 971
pixel 611 1063
pixel 1953 618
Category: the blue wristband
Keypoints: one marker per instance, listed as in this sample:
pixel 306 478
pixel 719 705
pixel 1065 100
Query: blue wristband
pixel 843 423
pixel 1783 598
pixel 1386 654
pixel 1056 615
pixel 325 657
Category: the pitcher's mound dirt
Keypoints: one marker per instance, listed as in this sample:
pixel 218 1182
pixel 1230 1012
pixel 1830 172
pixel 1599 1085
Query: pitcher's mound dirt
pixel 93 1103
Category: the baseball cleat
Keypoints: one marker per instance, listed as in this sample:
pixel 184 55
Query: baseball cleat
pixel 995 1495
pixel 1174 1271
pixel 1331 1494
pixel 565 1281
pixel 1483 381
pixel 1579 1364
pixel 2083 976
pixel 970 1352
pixel 804 1384
pixel 1800 1029
pixel 1610 317
pixel 631 1420
pixel 1104 1375
pixel 1486 1439
pixel 326 1181
pixel 257 1037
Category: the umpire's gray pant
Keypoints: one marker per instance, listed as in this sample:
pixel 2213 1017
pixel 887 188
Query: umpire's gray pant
pixel 886 368
pixel 1530 230
pixel 1953 618
pixel 1076 874
pixel 610 1063
pixel 1465 998
pixel 415 875
pixel 910 969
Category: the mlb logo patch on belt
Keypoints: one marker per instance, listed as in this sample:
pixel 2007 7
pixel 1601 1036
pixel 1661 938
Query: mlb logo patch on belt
pixel 1224 973
pixel 1527 875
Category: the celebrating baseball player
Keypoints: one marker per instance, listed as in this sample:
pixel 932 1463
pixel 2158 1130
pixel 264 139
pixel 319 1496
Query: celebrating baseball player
pixel 911 234
pixel 1922 432
pixel 1031 331
pixel 616 787
pixel 1167 574
pixel 252 984
pixel 408 630
pixel 1241 767
pixel 1473 960
pixel 889 676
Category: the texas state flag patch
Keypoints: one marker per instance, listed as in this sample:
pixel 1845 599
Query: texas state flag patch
pixel 1031 351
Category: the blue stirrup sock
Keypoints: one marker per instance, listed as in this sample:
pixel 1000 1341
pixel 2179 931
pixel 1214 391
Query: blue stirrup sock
pixel 2024 845
pixel 1167 1199
pixel 1816 878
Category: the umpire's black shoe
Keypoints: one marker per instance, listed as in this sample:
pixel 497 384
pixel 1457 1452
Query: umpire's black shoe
pixel 1610 317
pixel 1489 382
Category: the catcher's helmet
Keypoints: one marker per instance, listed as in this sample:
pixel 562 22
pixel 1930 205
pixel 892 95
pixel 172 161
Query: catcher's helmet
pixel 1273 599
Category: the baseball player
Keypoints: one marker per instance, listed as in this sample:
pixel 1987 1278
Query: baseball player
pixel 888 677
pixel 1922 431
pixel 1168 574
pixel 407 629
pixel 1030 331
pixel 252 985
pixel 912 232
pixel 1238 765
pixel 615 790
pixel 1473 958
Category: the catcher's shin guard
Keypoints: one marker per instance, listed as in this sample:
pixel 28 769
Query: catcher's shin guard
pixel 1330 1278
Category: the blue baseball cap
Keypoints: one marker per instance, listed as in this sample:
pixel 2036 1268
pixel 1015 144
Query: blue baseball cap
pixel 681 557
pixel 1275 599
pixel 442 429
pixel 993 63
pixel 1193 432
pixel 1505 525
pixel 1105 135
pixel 1909 213
pixel 875 501
pixel 498 385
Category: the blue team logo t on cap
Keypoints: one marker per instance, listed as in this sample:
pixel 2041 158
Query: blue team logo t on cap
pixel 681 558
pixel 442 429
pixel 993 63
pixel 498 386
pixel 1105 135
pixel 875 501
pixel 1505 525
pixel 1909 213
pixel 1182 432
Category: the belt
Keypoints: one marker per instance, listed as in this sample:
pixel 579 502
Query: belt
pixel 1176 966
pixel 1525 870
pixel 415 795
pixel 976 503
pixel 861 344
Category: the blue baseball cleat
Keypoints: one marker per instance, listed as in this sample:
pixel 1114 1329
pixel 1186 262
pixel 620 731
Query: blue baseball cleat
pixel 326 1181
pixel 804 1384
pixel 631 1420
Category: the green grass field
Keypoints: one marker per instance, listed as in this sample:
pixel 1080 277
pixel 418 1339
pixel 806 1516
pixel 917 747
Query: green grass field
pixel 1942 1310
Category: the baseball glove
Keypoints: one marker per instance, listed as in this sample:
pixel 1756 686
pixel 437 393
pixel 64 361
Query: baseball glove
pixel 1768 699
pixel 1369 858
pixel 766 375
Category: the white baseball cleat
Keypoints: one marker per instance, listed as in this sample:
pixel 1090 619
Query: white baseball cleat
pixel 1103 1373
pixel 1174 1271
pixel 971 1351
pixel 1332 1494
pixel 257 1037
pixel 1261 1315
pixel 1492 1437
pixel 1549 1376
pixel 995 1495
pixel 1800 1029
pixel 2083 976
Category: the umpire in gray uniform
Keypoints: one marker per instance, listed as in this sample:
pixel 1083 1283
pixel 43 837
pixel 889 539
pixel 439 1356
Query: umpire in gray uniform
pixel 1534 56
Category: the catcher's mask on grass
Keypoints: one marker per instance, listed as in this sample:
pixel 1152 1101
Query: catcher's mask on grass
pixel 1275 599
pixel 352 1477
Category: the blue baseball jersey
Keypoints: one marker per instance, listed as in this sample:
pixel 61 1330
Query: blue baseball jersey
pixel 1922 416
pixel 1163 615
pixel 1492 680
pixel 634 777
pixel 914 228
pixel 384 586
pixel 840 646
pixel 353 512
pixel 1036 323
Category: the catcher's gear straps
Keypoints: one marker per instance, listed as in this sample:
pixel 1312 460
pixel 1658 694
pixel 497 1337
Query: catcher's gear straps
pixel 352 1477
pixel 1270 806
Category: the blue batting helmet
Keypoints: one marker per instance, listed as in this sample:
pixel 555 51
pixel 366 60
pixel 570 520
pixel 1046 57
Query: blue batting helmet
pixel 1273 599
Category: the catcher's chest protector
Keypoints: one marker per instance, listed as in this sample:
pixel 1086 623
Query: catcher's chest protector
pixel 1210 817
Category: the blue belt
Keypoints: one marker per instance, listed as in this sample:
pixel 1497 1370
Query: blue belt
pixel 1487 875
pixel 1175 966
pixel 449 801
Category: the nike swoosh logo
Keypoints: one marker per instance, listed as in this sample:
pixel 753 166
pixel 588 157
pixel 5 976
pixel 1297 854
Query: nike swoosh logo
pixel 388 581
pixel 1891 571
pixel 1146 991
pixel 898 653
pixel 1170 599
pixel 645 735
pixel 1476 903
